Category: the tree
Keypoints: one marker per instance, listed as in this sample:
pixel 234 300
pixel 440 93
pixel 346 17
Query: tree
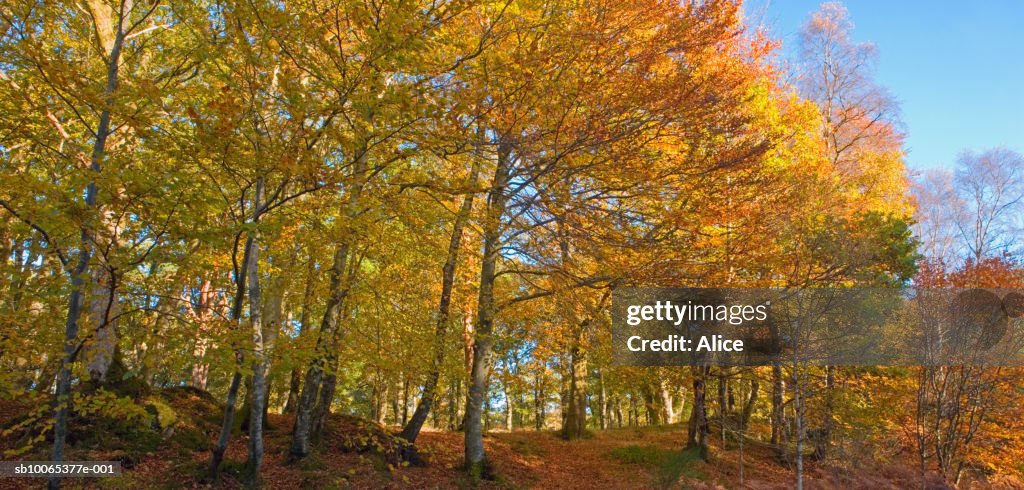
pixel 939 209
pixel 859 128
pixel 88 97
pixel 991 184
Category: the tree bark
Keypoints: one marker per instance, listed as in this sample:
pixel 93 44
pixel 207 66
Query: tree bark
pixel 329 333
pixel 486 309
pixel 508 405
pixel 576 414
pixel 455 394
pixel 201 314
pixel 697 435
pixel 723 415
pixel 602 400
pixel 666 402
pixel 412 429
pixel 824 440
pixel 538 402
pixel 101 14
pixel 748 406
pixel 273 312
pixel 100 345
pixel 777 415
pixel 225 429
pixel 217 454
pixel 101 350
pixel 295 381
pixel 259 362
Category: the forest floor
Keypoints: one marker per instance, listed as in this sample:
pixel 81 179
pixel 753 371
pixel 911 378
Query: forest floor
pixel 354 453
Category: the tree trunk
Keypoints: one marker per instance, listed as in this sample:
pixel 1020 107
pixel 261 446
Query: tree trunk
pixel 487 414
pixel 325 356
pixel 323 404
pixel 202 314
pixel 396 410
pixel 273 312
pixel 602 400
pixel 295 381
pixel 538 404
pixel 380 395
pixel 651 405
pixel 777 415
pixel 697 435
pixel 798 401
pixel 618 411
pixel 259 362
pixel 113 42
pixel 633 415
pixel 435 416
pixel 247 404
pixel 486 309
pixel 315 374
pixel 824 440
pixel 100 350
pixel 508 407
pixel 405 399
pixel 217 454
pixel 666 402
pixel 748 406
pixel 723 415
pixel 63 396
pixel 576 415
pixel 412 430
pixel 453 403
pixel 330 381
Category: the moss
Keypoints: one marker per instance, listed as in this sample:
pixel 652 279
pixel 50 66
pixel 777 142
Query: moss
pixel 481 471
pixel 476 470
pixel 121 381
pixel 190 438
pixel 668 465
pixel 194 405
pixel 235 469
pixel 126 481
pixel 164 414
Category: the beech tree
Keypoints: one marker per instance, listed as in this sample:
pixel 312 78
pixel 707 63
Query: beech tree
pixel 416 214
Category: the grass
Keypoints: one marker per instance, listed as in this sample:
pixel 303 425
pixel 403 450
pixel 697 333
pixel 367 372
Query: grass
pixel 668 465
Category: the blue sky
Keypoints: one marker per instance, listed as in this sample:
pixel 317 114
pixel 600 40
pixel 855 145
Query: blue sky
pixel 957 68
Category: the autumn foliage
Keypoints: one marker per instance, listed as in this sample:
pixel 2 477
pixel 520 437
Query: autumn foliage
pixel 324 227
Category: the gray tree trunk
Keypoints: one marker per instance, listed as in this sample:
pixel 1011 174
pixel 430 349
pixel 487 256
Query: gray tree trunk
pixel 486 309
pixel 697 435
pixel 412 429
pixel 576 411
pixel 113 40
pixel 329 334
pixel 667 402
pixel 295 381
pixel 217 454
pixel 259 361
pixel 315 374
pixel 101 349
pixel 748 406
pixel 777 415
pixel 602 401
pixel 824 440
